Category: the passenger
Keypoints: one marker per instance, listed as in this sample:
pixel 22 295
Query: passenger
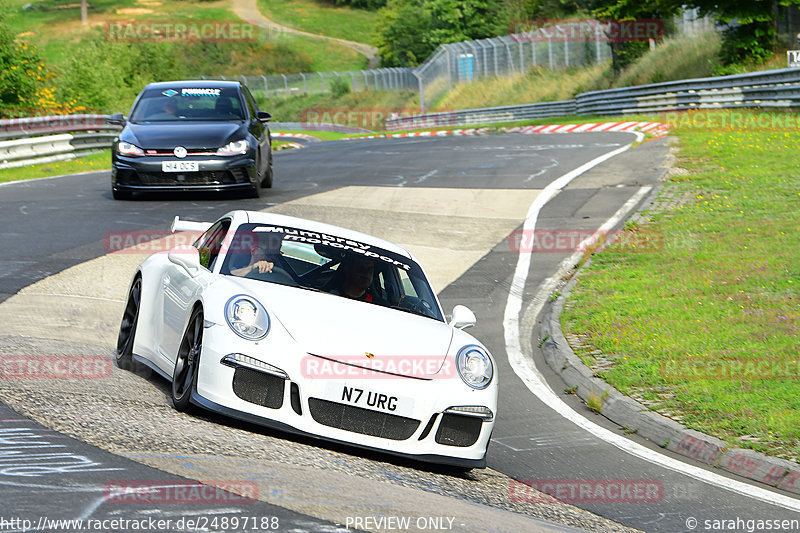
pixel 264 253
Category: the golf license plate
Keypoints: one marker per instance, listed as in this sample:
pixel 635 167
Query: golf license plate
pixel 179 166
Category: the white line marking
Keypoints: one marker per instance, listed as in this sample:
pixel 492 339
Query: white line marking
pixel 76 296
pixel 30 180
pixel 524 368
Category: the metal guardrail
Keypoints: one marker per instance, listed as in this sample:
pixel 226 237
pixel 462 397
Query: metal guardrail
pixel 31 140
pixel 489 115
pixel 768 89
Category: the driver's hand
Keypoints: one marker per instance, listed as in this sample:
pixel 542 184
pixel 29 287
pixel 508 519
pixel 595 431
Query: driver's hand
pixel 262 267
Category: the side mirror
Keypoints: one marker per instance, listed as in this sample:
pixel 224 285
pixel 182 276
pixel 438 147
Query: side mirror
pixel 116 118
pixel 263 116
pixel 186 256
pixel 462 318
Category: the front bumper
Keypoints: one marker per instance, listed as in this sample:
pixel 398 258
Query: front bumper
pixel 422 427
pixel 217 174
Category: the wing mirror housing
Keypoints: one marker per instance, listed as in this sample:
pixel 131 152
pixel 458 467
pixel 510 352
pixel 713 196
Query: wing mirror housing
pixel 187 257
pixel 116 118
pixel 263 116
pixel 463 317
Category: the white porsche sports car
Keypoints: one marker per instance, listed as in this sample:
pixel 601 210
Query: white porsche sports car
pixel 312 329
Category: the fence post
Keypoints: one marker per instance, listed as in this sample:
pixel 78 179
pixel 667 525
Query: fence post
pixel 449 68
pixel 305 91
pixel 597 43
pixel 421 91
pixel 550 51
pixel 266 87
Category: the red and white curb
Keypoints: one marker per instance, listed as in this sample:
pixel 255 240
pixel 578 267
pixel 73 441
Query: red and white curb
pixel 652 128
pixel 290 145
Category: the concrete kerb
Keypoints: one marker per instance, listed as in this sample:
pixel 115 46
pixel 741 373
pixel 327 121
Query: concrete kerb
pixel 635 417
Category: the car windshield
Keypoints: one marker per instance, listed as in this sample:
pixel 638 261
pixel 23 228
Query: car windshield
pixel 185 104
pixel 328 263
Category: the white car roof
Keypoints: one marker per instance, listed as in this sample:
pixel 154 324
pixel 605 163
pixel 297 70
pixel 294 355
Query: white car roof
pixel 260 217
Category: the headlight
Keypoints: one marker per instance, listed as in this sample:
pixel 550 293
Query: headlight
pixel 129 149
pixel 247 318
pixel 233 148
pixel 474 366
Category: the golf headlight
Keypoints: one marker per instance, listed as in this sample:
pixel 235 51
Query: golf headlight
pixel 247 318
pixel 128 149
pixel 233 148
pixel 474 366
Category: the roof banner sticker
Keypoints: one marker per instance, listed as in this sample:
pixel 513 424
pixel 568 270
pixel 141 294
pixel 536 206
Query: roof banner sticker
pixel 347 245
pixel 169 93
pixel 200 92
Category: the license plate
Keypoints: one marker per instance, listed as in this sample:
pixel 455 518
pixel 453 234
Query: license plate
pixel 371 399
pixel 179 166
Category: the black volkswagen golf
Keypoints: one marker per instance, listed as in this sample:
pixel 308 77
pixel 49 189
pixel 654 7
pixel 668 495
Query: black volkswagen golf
pixel 192 136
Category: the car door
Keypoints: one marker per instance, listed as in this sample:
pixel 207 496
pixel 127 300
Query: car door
pixel 259 130
pixel 181 289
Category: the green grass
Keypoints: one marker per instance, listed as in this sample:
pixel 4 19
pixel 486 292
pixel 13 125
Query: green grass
pixel 715 280
pixel 56 31
pixel 537 85
pixel 323 18
pixel 89 163
pixel 677 58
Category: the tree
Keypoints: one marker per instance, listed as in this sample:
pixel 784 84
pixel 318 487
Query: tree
pixel 21 70
pixel 402 29
pixel 409 30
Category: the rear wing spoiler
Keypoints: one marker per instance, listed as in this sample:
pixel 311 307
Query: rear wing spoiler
pixel 186 225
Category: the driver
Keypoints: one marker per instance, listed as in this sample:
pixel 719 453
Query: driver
pixel 356 279
pixel 264 253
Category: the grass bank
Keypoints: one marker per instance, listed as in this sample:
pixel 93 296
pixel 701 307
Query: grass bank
pixel 90 163
pixel 701 321
pixel 323 18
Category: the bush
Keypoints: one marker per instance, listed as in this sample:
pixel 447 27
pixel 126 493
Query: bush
pixel 339 87
pixel 22 72
pixel 750 43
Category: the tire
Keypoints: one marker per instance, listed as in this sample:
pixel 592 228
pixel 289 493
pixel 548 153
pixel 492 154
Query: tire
pixel 184 377
pixel 121 195
pixel 127 328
